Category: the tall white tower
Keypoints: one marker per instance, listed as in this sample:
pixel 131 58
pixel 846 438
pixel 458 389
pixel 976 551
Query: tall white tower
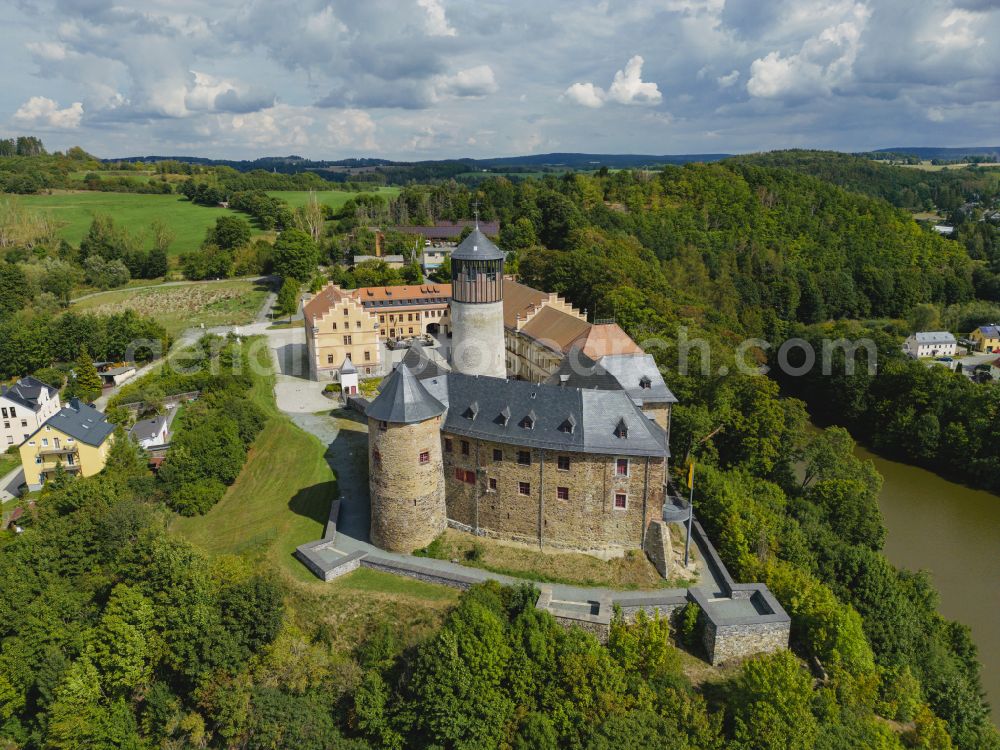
pixel 477 307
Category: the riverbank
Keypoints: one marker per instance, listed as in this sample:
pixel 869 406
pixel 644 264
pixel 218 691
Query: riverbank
pixel 951 531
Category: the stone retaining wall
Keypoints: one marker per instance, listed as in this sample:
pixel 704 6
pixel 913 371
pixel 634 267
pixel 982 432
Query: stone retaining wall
pixel 420 572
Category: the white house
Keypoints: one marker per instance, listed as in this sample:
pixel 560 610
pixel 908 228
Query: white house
pixel 25 406
pixel 151 432
pixel 930 344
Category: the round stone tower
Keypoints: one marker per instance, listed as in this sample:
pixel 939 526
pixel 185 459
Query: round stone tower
pixel 477 307
pixel 406 473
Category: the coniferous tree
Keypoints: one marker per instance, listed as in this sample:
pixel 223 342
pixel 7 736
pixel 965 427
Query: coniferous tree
pixel 87 383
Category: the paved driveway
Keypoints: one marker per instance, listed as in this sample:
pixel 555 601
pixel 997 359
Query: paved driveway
pixel 10 484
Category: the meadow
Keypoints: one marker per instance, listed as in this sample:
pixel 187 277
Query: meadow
pixel 181 306
pixel 73 212
pixel 333 198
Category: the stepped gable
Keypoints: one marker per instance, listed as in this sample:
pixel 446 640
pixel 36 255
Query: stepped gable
pixel 403 400
pixel 556 329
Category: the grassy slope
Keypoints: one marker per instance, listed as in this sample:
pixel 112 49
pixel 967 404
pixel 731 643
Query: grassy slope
pixel 333 198
pixel 234 302
pixel 281 500
pixel 73 212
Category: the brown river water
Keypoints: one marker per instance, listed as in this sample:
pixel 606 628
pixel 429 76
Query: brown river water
pixel 953 532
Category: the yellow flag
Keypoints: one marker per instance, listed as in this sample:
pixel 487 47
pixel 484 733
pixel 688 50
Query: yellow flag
pixel 691 475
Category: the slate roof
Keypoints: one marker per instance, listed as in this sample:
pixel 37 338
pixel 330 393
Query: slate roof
pixel 625 372
pixel 403 400
pixel 990 332
pixel 933 337
pixel 148 428
pixel 27 392
pixel 348 368
pixel 496 409
pixel 477 246
pixel 81 422
pixel 448 230
pixel 420 364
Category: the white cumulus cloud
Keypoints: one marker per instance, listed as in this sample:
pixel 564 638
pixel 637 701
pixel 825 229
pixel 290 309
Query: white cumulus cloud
pixel 40 111
pixel 626 88
pixel 824 62
pixel 586 94
pixel 437 21
pixel 473 82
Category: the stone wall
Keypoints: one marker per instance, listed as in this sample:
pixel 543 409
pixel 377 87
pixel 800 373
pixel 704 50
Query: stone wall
pixel 586 521
pixel 407 496
pixel 725 642
pixel 658 548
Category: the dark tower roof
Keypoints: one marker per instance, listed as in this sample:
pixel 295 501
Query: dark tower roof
pixel 404 400
pixel 477 247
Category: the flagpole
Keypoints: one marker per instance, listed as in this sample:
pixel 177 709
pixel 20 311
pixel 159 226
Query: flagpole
pixel 687 541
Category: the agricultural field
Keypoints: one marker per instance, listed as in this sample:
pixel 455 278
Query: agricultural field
pixel 333 198
pixel 181 306
pixel 73 211
pixel 926 166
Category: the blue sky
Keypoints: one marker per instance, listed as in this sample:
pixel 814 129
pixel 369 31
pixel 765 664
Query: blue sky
pixel 417 79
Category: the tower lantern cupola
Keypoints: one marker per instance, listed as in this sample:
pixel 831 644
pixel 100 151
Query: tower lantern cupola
pixel 477 270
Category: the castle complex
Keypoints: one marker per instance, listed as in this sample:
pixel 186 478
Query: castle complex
pixel 547 429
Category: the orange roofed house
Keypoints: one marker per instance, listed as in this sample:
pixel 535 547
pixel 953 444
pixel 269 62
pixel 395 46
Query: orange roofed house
pixel 355 323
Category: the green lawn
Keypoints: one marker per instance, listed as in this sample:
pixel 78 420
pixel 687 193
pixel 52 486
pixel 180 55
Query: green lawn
pixel 9 462
pixel 333 198
pixel 280 500
pixel 73 213
pixel 177 307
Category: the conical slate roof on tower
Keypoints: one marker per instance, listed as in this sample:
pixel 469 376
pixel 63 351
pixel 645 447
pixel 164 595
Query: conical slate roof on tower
pixel 477 246
pixel 404 400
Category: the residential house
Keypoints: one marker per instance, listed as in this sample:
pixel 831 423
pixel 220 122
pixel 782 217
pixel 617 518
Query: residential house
pixel 77 436
pixel 986 338
pixel 151 433
pixel 930 344
pixel 24 407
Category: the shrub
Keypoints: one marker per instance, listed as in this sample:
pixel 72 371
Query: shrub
pixel 687 625
pixel 196 498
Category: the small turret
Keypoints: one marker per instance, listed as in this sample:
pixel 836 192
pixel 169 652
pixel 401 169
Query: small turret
pixel 406 474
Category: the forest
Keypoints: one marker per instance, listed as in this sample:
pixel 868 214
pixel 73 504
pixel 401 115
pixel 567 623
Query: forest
pixel 116 633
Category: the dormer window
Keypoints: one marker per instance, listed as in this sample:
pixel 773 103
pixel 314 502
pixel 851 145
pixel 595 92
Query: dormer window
pixel 621 431
pixel 528 422
pixel 471 411
pixel 645 383
pixel 568 425
pixel 503 417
